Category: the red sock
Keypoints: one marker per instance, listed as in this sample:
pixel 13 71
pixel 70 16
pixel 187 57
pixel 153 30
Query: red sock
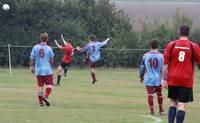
pixel 40 97
pixel 150 101
pixel 48 90
pixel 160 102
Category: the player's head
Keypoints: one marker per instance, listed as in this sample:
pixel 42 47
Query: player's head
pixel 92 37
pixel 184 31
pixel 154 44
pixel 68 41
pixel 44 37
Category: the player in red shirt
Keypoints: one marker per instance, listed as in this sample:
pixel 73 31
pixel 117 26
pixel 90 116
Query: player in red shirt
pixel 178 64
pixel 68 50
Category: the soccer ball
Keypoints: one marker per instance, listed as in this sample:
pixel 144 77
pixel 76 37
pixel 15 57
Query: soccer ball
pixel 5 7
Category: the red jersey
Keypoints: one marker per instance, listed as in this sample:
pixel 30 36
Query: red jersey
pixel 68 53
pixel 179 55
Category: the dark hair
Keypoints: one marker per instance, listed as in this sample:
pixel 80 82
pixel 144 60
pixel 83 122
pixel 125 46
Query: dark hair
pixel 92 37
pixel 154 44
pixel 184 30
pixel 44 37
pixel 70 41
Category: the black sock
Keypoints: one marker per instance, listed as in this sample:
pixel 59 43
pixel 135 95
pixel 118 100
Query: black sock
pixel 180 116
pixel 58 79
pixel 65 71
pixel 171 114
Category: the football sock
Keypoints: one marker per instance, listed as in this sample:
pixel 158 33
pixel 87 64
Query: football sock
pixel 48 90
pixel 58 79
pixel 65 71
pixel 160 102
pixel 171 114
pixel 180 116
pixel 150 101
pixel 40 97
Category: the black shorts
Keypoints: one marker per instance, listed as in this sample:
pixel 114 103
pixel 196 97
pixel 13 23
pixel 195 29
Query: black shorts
pixel 181 94
pixel 65 65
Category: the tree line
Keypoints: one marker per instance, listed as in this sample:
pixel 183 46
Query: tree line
pixel 77 19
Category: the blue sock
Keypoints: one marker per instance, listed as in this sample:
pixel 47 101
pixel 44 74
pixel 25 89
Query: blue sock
pixel 180 116
pixel 171 114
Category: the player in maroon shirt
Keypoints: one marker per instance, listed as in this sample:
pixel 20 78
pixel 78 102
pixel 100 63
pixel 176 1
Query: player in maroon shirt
pixel 68 50
pixel 178 62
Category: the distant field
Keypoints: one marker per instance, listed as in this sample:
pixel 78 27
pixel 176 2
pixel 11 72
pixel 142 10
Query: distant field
pixel 165 10
pixel 118 97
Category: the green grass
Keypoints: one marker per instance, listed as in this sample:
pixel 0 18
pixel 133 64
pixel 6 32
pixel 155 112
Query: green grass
pixel 118 97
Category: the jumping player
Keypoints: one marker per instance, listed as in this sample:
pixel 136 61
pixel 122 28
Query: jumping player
pixel 150 73
pixel 40 63
pixel 68 50
pixel 179 57
pixel 93 53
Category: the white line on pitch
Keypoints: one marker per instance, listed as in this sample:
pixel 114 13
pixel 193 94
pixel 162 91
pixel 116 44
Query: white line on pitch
pixel 156 119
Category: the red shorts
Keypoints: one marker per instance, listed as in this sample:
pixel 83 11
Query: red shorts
pixel 90 63
pixel 154 89
pixel 48 80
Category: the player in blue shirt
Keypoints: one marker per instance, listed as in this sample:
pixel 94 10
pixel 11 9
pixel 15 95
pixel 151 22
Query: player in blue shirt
pixel 40 63
pixel 93 53
pixel 150 73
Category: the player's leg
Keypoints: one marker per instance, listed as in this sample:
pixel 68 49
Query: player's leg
pixel 59 73
pixel 181 112
pixel 150 92
pixel 173 95
pixel 160 99
pixel 172 110
pixel 66 69
pixel 49 87
pixel 93 72
pixel 185 96
pixel 40 90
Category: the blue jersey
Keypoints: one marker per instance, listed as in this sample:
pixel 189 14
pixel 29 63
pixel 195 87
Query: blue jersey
pixel 151 68
pixel 41 54
pixel 93 48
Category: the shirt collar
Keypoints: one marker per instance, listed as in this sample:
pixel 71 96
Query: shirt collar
pixel 183 38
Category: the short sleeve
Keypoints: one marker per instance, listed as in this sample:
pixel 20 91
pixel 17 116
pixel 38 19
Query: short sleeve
pixel 167 53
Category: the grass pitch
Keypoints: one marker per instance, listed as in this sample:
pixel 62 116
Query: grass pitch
pixel 117 97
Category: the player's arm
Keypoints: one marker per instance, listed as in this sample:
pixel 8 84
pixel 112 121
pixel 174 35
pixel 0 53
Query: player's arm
pixel 167 58
pixel 51 61
pixel 32 61
pixel 104 42
pixel 32 65
pixel 59 46
pixel 164 73
pixel 142 71
pixel 84 49
pixel 196 53
pixel 62 37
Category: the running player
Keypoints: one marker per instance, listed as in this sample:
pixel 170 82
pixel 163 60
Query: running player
pixel 179 57
pixel 93 52
pixel 40 63
pixel 68 50
pixel 150 73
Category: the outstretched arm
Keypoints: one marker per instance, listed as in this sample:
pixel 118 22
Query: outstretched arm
pixel 59 46
pixel 62 37
pixel 105 42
